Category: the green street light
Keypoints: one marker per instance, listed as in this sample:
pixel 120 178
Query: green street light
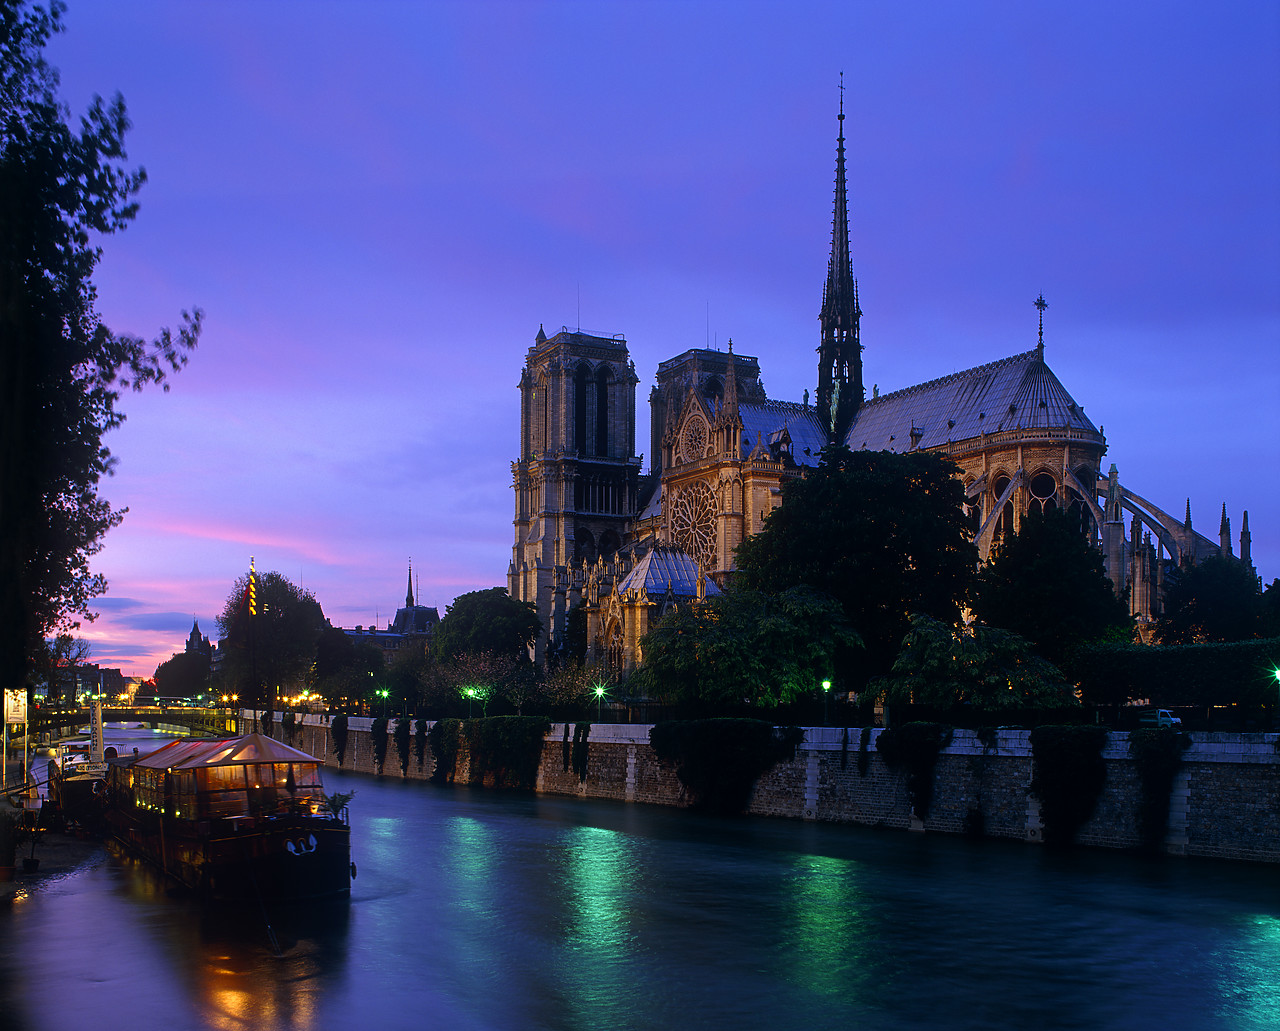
pixel 826 693
pixel 471 694
pixel 599 700
pixel 382 693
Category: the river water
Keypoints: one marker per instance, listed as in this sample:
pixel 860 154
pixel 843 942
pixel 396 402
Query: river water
pixel 486 910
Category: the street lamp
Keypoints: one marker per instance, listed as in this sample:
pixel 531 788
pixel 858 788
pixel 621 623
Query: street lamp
pixel 382 693
pixel 599 700
pixel 471 695
pixel 826 694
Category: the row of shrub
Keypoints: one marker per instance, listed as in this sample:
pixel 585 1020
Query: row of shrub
pixel 719 761
pixel 1241 673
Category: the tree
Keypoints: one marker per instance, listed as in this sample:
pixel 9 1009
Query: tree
pixel 489 621
pixel 61 371
pixel 345 667
pixel 1047 584
pixel 882 533
pixel 58 661
pixel 1215 600
pixel 745 648
pixel 277 647
pixel 987 668
pixel 183 675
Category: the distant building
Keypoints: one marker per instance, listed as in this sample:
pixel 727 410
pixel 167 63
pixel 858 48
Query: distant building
pixel 414 628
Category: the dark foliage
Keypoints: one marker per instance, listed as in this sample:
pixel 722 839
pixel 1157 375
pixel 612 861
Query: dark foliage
pixel 580 750
pixel 378 735
pixel 183 675
pixel 884 534
pixel 487 622
pixel 62 371
pixel 275 647
pixel 864 755
pixel 1215 600
pixel 420 742
pixel 915 747
pixel 1068 779
pixel 338 732
pixel 1047 584
pixel 745 648
pixel 403 732
pixel 718 761
pixel 289 723
pixel 508 748
pixel 1157 751
pixel 444 738
pixel 1241 673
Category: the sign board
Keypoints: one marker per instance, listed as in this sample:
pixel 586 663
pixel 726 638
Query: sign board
pixel 15 706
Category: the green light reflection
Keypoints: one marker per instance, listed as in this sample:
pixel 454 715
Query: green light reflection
pixel 828 944
pixel 1250 984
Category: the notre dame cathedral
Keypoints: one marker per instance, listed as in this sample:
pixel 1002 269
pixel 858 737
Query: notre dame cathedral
pixel 590 529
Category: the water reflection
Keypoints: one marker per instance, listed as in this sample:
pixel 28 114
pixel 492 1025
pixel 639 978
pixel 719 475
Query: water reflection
pixel 478 911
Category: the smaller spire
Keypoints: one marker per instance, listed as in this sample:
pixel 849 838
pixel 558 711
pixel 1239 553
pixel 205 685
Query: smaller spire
pixel 1187 522
pixel 1042 304
pixel 541 338
pixel 408 598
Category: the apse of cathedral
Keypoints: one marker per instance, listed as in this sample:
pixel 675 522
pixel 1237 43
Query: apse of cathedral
pixel 591 530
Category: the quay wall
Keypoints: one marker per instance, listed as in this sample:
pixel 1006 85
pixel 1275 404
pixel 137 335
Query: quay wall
pixel 1225 801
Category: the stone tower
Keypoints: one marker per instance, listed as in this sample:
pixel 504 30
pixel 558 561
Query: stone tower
pixel 576 479
pixel 840 390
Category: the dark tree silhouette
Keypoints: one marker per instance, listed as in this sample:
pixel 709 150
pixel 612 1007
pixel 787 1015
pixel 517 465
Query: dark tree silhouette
pixel 1215 600
pixel 61 370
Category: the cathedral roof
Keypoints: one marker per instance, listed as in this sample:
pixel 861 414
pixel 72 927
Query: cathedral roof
pixel 801 422
pixel 1015 393
pixel 663 568
pixel 415 619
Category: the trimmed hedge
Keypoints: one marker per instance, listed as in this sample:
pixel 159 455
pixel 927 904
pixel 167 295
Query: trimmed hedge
pixel 1242 673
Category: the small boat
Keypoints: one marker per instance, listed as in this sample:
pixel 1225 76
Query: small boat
pixel 77 776
pixel 242 818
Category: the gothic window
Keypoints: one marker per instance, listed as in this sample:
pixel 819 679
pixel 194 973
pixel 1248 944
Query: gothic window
pixel 609 543
pixel 972 510
pixel 544 414
pixel 693 442
pixel 604 378
pixel 584 546
pixel 693 523
pixel 713 391
pixel 1004 522
pixel 581 377
pixel 1044 493
pixel 615 645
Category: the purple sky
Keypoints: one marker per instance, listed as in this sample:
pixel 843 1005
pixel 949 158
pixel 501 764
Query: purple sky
pixel 376 204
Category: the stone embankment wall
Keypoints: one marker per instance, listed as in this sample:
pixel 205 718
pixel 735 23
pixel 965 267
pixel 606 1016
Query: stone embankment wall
pixel 1225 801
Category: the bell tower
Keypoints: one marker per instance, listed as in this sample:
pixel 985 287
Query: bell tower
pixel 577 476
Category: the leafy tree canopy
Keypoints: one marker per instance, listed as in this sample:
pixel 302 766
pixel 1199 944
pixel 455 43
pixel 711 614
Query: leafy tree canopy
pixel 61 370
pixel 1047 584
pixel 944 665
pixel 746 648
pixel 882 533
pixel 182 675
pixel 345 667
pixel 1218 599
pixel 274 650
pixel 488 621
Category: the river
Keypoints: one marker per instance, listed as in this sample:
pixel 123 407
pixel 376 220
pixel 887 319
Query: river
pixel 499 912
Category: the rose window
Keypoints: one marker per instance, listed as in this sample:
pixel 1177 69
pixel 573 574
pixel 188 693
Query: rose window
pixel 693 524
pixel 693 443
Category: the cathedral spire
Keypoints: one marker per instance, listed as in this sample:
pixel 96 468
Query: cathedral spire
pixel 1042 304
pixel 840 390
pixel 408 598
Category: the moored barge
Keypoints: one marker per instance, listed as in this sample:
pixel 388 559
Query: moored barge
pixel 241 818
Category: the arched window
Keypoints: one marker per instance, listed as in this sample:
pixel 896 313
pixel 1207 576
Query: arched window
pixel 972 509
pixel 1004 522
pixel 604 379
pixel 1044 493
pixel 544 415
pixel 584 545
pixel 615 645
pixel 609 543
pixel 713 392
pixel 581 377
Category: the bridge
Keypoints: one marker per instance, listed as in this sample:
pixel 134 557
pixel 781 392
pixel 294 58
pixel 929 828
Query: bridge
pixel 213 722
